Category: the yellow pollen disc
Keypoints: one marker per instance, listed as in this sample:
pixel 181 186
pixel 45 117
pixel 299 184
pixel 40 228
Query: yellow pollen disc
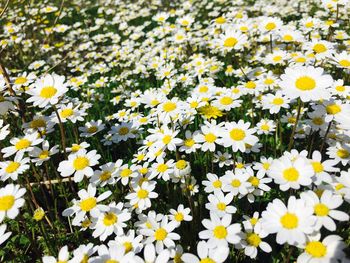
pixel 88 204
pixel 230 42
pixel 269 81
pixel 111 261
pixel 318 167
pixel 12 167
pixel 162 168
pixel 250 85
pixel 6 202
pixel 167 139
pixel 20 80
pixel 305 83
pixel 344 63
pixel 207 260
pixel 317 121
pixel 181 164
pixel 142 194
pixel 253 239
pixel 333 109
pixel 253 221
pixel 169 106
pixel 110 219
pixel 221 206
pixel 254 181
pixel 342 153
pixel 277 58
pixel 22 144
pixel 128 246
pixel 237 134
pixel 217 184
pixel 48 92
pixel 220 20
pixel 220 232
pixel 316 249
pixel 289 221
pixel 126 172
pixel 236 183
pixel 38 123
pixel 210 137
pixel 291 174
pixel 266 166
pixel 226 100
pixel 160 234
pixel 288 38
pixel 123 131
pixel 66 113
pixel 104 176
pixel 44 154
pixel 80 163
pixel 270 26
pixel 179 217
pixel 319 48
pixel 265 127
pixel 92 129
pixel 189 142
pixel 321 210
pixel 340 88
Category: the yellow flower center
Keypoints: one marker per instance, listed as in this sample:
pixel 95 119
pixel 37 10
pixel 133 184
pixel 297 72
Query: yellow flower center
pixel 210 137
pixel 48 92
pixel 217 184
pixel 22 144
pixel 230 42
pixel 92 129
pixel 179 217
pixel 318 167
pixel 38 123
pixel 236 183
pixel 266 166
pixel 226 100
pixel 20 80
pixel 265 127
pixel 12 167
pixel 181 164
pixel 305 83
pixel 162 168
pixel 288 38
pixel 289 221
pixel 88 204
pixel 254 181
pixel 80 163
pixel 321 210
pixel 111 261
pixel 253 221
pixel 316 249
pixel 126 172
pixel 333 109
pixel 44 154
pixel 66 113
pixel 167 139
pixel 269 81
pixel 104 176
pixel 189 142
pixel 270 26
pixel 169 106
pixel 250 85
pixel 319 48
pixel 342 153
pixel 317 121
pixel 110 219
pixel 344 63
pixel 142 194
pixel 160 234
pixel 123 131
pixel 253 239
pixel 237 134
pixel 221 206
pixel 128 246
pixel 220 232
pixel 6 202
pixel 220 20
pixel 340 88
pixel 277 58
pixel 207 260
pixel 291 174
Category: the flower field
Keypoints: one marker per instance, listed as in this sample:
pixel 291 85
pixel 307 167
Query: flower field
pixel 187 131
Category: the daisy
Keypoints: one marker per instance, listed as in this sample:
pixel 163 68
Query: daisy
pixel 123 131
pixel 253 241
pixel 130 241
pixel 206 254
pixel 208 136
pixel 11 169
pixel 111 221
pixel 265 126
pixel 237 135
pixel 324 208
pixel 91 128
pixel 113 253
pixel 306 83
pixel 22 145
pixel 214 183
pixel 322 168
pixel 220 204
pixel 291 223
pixel 189 145
pixel 165 139
pixel 107 173
pixel 161 233
pixel 126 172
pixel 237 183
pixel 88 203
pixel 43 154
pixel 10 201
pixel 220 232
pixel 340 152
pixel 232 39
pixel 162 169
pixel 223 159
pixel 142 195
pixel 47 90
pixel 79 164
pixel 180 215
pixel 342 60
pixel 291 174
pixel 330 249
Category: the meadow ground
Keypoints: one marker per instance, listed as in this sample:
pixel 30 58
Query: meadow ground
pixel 186 131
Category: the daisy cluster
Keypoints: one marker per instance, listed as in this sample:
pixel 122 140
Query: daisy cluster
pixel 187 131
